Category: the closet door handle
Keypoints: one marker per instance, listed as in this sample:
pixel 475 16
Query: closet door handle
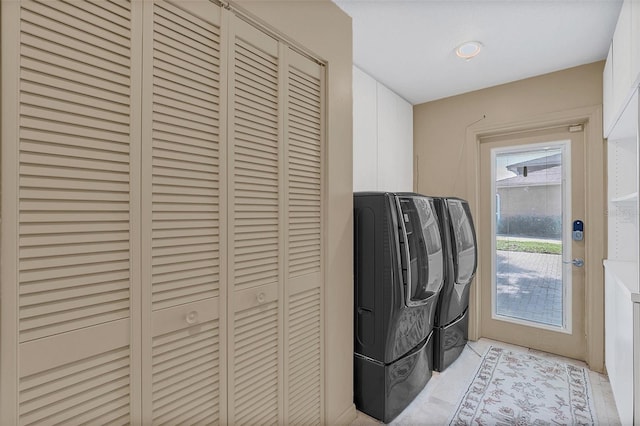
pixel 261 297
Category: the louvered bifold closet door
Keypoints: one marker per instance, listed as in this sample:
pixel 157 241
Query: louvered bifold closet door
pixel 183 226
pixel 77 193
pixel 255 236
pixel 303 284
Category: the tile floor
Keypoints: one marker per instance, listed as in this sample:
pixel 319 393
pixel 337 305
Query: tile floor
pixel 436 402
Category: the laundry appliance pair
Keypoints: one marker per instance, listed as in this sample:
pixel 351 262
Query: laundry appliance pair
pixel 414 260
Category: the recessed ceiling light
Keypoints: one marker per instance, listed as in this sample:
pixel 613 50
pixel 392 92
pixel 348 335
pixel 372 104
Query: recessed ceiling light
pixel 468 49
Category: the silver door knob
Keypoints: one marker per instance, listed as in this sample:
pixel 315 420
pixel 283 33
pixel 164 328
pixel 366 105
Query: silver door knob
pixel 576 262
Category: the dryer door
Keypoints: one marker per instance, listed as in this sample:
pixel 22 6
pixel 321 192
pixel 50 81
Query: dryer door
pixel 422 256
pixel 463 240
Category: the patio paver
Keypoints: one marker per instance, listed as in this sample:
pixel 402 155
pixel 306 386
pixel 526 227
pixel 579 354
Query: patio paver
pixel 529 286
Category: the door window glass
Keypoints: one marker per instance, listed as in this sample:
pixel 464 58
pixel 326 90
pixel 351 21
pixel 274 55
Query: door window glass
pixel 528 270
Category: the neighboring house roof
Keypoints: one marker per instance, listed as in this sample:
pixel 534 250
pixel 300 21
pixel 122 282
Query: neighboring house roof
pixel 536 164
pixel 548 176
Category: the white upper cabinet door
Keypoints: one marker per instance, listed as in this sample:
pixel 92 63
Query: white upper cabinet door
pixel 395 142
pixel 622 81
pixel 608 111
pixel 365 132
pixel 635 42
pixel 405 122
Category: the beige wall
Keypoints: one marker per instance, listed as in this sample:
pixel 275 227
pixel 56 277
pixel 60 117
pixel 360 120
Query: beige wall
pixel 446 146
pixel 440 126
pixel 323 28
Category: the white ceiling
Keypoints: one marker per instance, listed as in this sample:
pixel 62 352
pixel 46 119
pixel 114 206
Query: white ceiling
pixel 408 45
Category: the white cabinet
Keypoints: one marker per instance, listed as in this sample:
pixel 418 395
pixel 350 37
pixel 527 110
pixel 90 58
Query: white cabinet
pixel 622 289
pixel 635 42
pixel 636 356
pixel 622 298
pixel 365 132
pixel 622 68
pixel 382 137
pixel 622 56
pixel 608 111
pixel 623 186
pixel 622 307
pixel 395 142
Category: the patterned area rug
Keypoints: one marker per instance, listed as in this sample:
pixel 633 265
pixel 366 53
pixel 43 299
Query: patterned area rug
pixel 516 388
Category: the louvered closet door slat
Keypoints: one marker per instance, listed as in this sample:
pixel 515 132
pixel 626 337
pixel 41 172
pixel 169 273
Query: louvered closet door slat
pixel 84 376
pixel 304 166
pixel 186 373
pixel 255 214
pixel 74 228
pixel 303 341
pixel 169 206
pixel 69 36
pixel 184 211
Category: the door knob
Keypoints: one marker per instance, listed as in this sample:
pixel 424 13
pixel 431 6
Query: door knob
pixel 576 262
pixel 192 317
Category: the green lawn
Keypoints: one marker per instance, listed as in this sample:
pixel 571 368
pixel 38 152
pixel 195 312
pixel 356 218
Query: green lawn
pixel 530 246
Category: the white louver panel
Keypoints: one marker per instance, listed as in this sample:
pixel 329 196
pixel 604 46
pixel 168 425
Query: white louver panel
pixel 304 354
pixel 255 392
pixel 255 166
pixel 186 156
pixel 74 166
pixel 304 108
pixel 186 376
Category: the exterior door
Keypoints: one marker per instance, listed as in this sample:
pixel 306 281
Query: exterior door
pixel 532 191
